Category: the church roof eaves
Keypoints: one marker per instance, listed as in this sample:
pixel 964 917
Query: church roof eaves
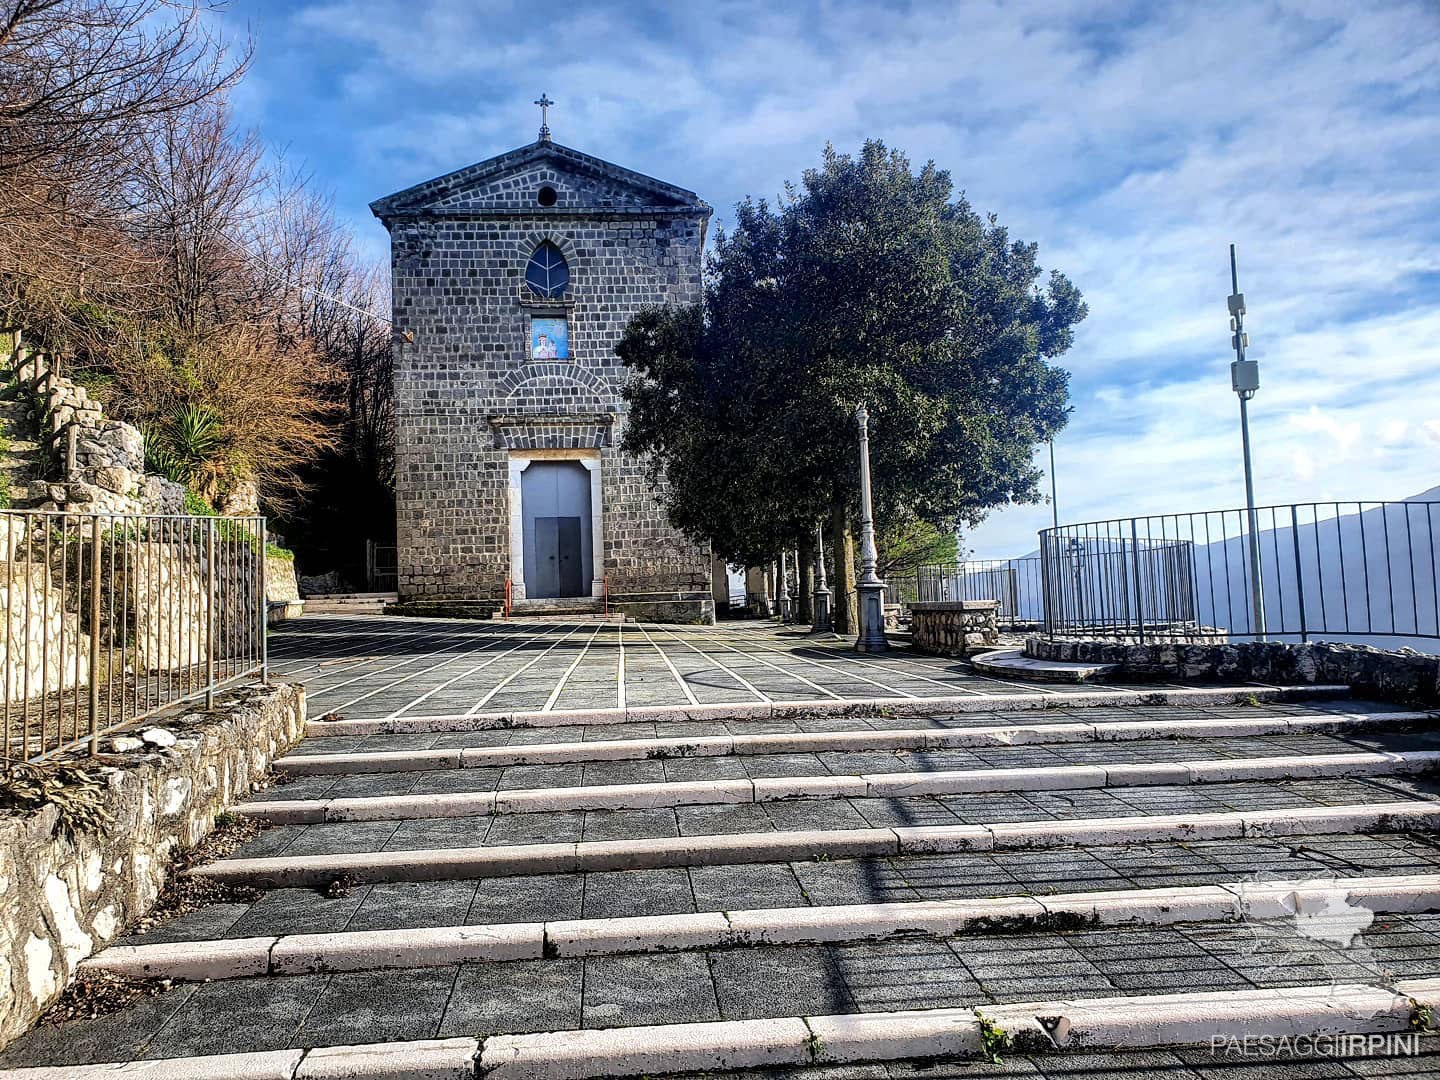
pixel 419 200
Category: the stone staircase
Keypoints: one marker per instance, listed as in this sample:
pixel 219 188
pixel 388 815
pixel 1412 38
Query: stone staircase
pixel 349 603
pixel 828 896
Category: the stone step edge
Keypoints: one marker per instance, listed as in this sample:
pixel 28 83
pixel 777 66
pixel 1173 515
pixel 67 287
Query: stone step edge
pixel 1029 1027
pixel 1023 701
pixel 821 742
pixel 895 785
pixel 413 947
pixel 445 864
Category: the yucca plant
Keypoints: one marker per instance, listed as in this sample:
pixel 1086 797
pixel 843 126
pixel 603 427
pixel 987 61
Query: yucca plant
pixel 189 448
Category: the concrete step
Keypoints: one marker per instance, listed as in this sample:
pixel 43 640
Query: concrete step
pixel 885 785
pixel 453 863
pixel 970 1033
pixel 1014 664
pixel 311 758
pixel 661 893
pixel 415 947
pixel 792 710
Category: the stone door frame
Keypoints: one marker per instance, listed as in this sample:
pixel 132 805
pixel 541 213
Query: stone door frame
pixel 520 460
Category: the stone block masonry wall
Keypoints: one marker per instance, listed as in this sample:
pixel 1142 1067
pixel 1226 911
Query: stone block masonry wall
pixel 1402 676
pixel 99 463
pixel 468 391
pixel 62 899
pixel 954 627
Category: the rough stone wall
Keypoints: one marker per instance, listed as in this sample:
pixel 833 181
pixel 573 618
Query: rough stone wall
pixel 954 627
pixel 467 390
pixel 62 898
pixel 41 644
pixel 100 463
pixel 1404 676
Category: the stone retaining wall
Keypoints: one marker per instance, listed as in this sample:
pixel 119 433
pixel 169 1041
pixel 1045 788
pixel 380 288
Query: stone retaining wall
pixel 954 627
pixel 100 463
pixel 63 899
pixel 1403 676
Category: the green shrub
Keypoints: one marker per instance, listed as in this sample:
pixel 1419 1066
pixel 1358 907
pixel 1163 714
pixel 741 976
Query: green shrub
pixel 275 551
pixel 195 504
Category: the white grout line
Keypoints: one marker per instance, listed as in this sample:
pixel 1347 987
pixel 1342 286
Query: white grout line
pixel 889 785
pixel 521 670
pixel 525 640
pixel 895 689
pixel 549 705
pixel 684 686
pixel 455 636
pixel 459 645
pixel 714 660
pixel 366 950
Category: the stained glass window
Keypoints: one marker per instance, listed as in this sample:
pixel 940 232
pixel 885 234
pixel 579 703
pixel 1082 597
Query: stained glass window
pixel 547 275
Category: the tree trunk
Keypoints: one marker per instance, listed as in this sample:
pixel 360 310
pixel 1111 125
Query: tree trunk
pixel 844 599
pixel 805 602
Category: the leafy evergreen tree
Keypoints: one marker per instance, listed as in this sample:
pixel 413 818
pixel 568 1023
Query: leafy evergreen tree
pixel 872 283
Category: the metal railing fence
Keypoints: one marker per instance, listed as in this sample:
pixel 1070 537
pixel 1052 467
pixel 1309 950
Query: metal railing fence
pixel 1015 583
pixel 110 617
pixel 1365 570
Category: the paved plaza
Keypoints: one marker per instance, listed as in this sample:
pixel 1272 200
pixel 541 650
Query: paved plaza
pixel 388 668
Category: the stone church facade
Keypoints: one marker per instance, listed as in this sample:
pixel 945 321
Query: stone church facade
pixel 516 277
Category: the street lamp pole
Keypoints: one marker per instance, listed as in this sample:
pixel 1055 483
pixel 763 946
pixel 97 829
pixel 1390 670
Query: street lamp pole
pixel 1054 502
pixel 821 622
pixel 870 588
pixel 1245 380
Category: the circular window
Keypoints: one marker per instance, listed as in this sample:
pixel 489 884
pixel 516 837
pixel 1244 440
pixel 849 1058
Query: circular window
pixel 546 197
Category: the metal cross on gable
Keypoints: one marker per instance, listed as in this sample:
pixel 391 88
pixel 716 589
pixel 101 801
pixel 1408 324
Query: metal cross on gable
pixel 544 102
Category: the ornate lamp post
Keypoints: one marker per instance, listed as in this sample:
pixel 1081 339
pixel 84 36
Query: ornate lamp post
pixel 821 623
pixel 870 588
pixel 782 586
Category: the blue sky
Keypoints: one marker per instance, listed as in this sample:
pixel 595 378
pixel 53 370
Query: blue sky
pixel 1132 141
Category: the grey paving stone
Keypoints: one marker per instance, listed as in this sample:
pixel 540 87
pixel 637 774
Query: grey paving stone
pixel 377 1006
pixel 517 996
pixel 629 824
pixel 537 898
pixel 627 893
pixel 425 833
pixel 903 975
pixel 237 1015
pixel 738 887
pixel 120 1036
pixel 401 904
pixel 545 828
pixel 206 922
pixel 668 988
pixel 298 911
pixel 757 983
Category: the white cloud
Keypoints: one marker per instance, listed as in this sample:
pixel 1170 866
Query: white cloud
pixel 1132 142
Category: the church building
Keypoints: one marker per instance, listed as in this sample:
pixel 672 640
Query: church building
pixel 512 281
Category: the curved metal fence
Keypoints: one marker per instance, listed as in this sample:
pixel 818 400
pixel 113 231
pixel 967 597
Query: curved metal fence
pixel 1290 572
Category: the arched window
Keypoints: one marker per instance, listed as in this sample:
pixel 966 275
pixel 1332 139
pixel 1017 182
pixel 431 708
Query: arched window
pixel 547 275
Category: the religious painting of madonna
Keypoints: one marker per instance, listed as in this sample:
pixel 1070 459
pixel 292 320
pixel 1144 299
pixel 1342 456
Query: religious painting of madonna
pixel 549 339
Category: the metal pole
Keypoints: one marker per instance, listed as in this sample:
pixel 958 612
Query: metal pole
pixel 1054 501
pixel 870 588
pixel 264 602
pixel 210 614
pixel 95 635
pixel 1245 380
